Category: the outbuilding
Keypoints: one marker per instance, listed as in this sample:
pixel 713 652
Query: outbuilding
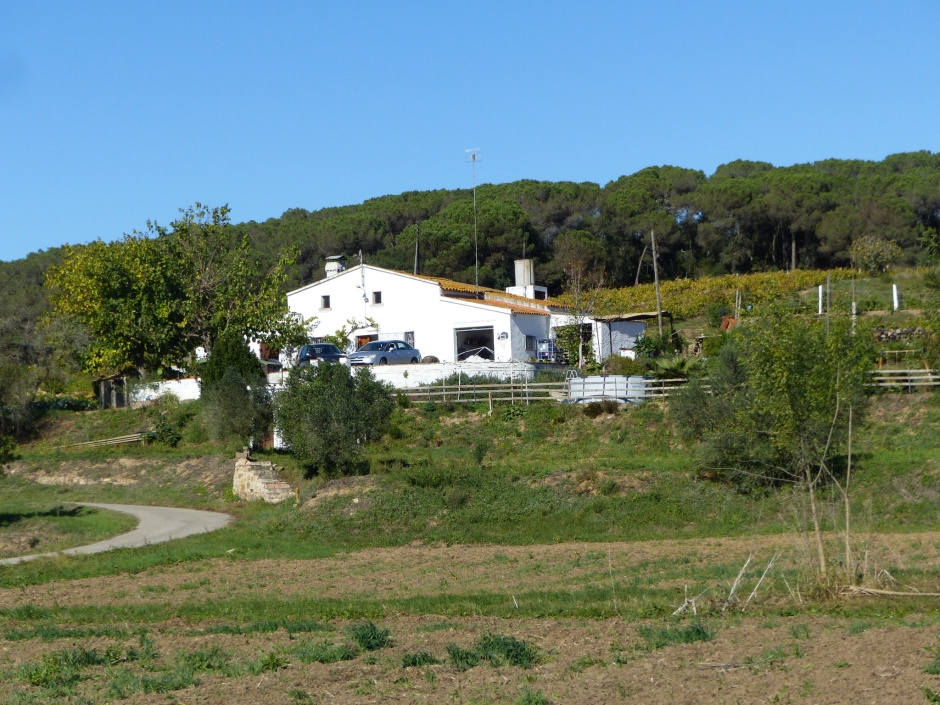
pixel 617 334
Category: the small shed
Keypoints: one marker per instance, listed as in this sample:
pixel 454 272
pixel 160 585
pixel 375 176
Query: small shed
pixel 616 334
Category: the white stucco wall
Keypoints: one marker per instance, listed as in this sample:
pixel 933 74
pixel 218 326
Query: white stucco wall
pixel 184 389
pixel 412 376
pixel 614 337
pixel 410 305
pixel 451 314
pixel 523 325
pixel 624 334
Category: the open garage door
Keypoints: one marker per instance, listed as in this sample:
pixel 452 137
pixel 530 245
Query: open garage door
pixel 472 342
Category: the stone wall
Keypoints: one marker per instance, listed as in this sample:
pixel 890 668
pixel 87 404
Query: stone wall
pixel 258 480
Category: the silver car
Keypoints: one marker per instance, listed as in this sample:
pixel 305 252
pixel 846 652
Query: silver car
pixel 385 352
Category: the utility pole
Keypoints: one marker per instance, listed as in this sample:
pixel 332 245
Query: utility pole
pixel 417 237
pixel 659 301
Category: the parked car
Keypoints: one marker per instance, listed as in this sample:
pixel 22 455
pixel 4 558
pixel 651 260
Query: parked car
pixel 385 352
pixel 320 352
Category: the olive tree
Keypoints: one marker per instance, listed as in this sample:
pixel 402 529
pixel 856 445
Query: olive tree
pixel 326 415
pixel 777 404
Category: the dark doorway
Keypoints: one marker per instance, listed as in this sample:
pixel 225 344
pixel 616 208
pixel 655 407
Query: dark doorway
pixel 475 341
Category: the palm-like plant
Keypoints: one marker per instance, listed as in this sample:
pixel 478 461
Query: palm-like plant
pixel 676 366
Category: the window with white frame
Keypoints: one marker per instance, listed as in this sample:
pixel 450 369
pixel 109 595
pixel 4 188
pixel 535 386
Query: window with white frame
pixel 324 302
pixel 530 343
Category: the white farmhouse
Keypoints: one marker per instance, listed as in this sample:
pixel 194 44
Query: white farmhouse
pixel 449 320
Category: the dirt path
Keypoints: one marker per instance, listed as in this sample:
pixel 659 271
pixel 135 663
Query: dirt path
pixel 157 524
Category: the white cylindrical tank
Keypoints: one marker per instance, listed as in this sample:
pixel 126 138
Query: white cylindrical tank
pixel 636 388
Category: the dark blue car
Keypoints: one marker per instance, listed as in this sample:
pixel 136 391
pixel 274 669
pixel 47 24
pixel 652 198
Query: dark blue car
pixel 320 352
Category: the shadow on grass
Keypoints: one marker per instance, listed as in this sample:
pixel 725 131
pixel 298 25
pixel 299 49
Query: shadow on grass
pixel 10 518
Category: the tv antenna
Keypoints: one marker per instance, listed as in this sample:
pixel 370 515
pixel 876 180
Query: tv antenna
pixel 473 156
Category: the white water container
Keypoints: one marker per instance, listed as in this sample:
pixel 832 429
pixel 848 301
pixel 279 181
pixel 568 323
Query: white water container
pixel 636 388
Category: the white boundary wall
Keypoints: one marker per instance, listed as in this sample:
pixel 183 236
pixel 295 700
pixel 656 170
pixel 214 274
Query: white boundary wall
pixel 411 376
pixel 399 376
pixel 187 389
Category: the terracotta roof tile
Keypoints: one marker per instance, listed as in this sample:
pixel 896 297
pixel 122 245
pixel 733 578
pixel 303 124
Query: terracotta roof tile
pixel 513 307
pixel 451 285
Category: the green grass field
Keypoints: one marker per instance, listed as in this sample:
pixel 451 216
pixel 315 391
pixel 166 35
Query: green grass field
pixel 41 527
pixel 540 474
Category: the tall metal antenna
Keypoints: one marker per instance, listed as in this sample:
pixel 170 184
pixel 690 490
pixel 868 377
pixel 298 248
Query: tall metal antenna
pixel 473 156
pixel 417 237
pixel 365 297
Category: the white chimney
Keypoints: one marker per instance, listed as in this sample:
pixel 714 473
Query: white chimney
pixel 525 282
pixel 525 272
pixel 335 265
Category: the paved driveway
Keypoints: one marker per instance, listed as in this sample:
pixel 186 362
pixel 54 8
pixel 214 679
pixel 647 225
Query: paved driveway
pixel 157 524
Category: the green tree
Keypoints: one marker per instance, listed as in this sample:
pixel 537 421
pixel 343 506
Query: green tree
pixel 230 352
pixel 236 407
pixel 235 399
pixel 779 403
pixel 224 287
pixel 130 298
pixel 931 243
pixel 873 255
pixel 149 302
pixel 326 415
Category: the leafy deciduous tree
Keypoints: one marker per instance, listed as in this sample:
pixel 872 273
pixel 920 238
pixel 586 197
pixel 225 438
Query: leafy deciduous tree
pixel 223 286
pixel 148 302
pixel 129 296
pixel 778 406
pixel 873 255
pixel 582 260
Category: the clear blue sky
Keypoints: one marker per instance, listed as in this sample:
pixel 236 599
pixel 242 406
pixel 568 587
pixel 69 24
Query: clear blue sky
pixel 113 113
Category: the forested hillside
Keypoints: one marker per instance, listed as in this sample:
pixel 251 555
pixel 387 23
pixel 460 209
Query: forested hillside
pixel 22 296
pixel 747 216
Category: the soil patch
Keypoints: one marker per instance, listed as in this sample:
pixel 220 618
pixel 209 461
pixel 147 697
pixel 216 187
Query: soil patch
pixel 341 487
pixel 212 471
pixel 748 662
pixel 750 659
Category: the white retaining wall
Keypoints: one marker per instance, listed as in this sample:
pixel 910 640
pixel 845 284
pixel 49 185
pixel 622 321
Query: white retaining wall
pixel 399 376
